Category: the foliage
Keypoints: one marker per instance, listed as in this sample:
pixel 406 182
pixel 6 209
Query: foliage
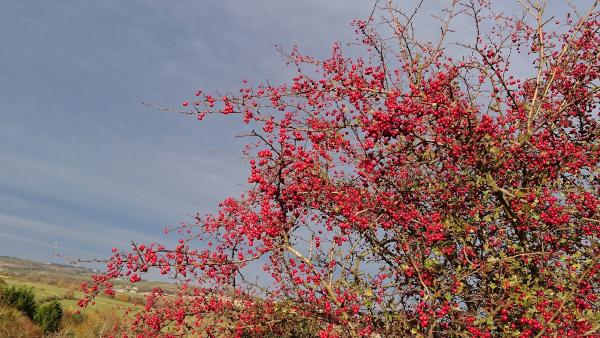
pixel 20 298
pixel 48 316
pixel 403 193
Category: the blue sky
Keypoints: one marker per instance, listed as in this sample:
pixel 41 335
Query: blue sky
pixel 85 166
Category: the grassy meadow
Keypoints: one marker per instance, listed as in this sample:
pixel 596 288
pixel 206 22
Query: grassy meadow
pixel 61 283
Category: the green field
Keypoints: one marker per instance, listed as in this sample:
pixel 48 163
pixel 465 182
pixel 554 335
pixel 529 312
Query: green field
pixel 45 291
pixel 62 282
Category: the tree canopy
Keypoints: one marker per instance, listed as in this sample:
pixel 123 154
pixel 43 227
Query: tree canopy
pixel 430 187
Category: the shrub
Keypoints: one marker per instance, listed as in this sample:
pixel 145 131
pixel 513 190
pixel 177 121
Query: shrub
pixel 48 316
pixel 137 300
pixel 443 187
pixel 20 298
pixel 69 294
pixel 122 297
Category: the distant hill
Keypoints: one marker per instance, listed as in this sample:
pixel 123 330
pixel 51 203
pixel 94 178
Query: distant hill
pixel 13 265
pixel 66 275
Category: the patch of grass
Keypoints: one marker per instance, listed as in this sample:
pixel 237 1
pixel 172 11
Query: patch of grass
pixel 14 324
pixel 89 324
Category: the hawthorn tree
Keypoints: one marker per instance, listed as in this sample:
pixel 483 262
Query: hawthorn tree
pixel 425 189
